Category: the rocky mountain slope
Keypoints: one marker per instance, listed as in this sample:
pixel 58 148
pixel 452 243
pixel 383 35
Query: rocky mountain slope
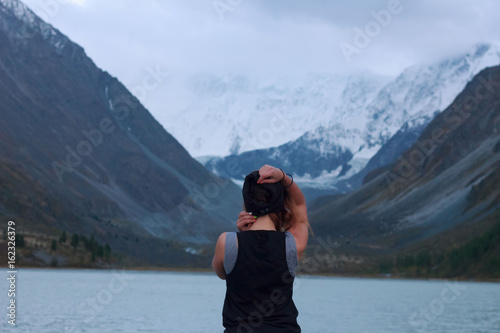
pixel 78 152
pixel 350 134
pixel 444 187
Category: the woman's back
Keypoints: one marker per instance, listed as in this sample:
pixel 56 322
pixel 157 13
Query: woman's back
pixel 260 285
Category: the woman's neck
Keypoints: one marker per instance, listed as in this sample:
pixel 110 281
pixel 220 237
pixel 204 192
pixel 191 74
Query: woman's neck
pixel 263 223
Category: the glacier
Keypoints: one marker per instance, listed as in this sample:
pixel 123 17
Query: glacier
pixel 359 113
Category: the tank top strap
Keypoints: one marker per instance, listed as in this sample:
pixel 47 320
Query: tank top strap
pixel 230 252
pixel 291 253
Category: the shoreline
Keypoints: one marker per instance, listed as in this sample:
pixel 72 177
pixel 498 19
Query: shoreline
pixel 208 270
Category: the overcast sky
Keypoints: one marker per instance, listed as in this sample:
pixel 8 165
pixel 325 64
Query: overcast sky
pixel 264 37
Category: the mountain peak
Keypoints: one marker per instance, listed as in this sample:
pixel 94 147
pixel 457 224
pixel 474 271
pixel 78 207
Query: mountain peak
pixel 32 25
pixel 92 158
pixel 483 49
pixel 358 115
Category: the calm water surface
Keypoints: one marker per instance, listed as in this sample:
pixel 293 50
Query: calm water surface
pixel 127 301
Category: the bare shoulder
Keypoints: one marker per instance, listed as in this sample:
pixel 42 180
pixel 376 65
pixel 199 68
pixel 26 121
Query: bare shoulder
pixel 222 237
pixel 221 241
pixel 300 233
pixel 217 261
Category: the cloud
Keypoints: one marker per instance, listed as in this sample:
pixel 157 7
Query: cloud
pixel 77 2
pixel 269 38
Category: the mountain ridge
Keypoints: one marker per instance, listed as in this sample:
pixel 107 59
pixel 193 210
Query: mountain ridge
pixel 404 105
pixel 100 163
pixel 444 185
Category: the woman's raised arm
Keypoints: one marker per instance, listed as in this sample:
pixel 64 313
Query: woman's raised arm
pixel 270 174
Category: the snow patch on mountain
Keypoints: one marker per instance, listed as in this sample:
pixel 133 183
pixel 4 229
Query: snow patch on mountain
pixel 33 24
pixel 359 120
pixel 423 89
pixel 234 114
pixel 419 93
pixel 229 115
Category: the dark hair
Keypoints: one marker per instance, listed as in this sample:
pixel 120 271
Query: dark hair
pixel 268 198
pixel 285 219
pixel 262 199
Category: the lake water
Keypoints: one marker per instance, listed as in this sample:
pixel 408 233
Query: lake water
pixel 127 301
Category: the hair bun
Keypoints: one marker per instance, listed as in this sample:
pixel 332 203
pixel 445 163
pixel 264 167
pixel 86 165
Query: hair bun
pixel 262 199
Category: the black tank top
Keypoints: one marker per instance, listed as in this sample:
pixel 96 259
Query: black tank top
pixel 259 288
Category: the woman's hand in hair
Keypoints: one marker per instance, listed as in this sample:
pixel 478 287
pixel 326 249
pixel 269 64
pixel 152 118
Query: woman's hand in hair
pixel 269 174
pixel 300 229
pixel 245 221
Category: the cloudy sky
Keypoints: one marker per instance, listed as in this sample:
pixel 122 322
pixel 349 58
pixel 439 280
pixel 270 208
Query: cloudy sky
pixel 262 37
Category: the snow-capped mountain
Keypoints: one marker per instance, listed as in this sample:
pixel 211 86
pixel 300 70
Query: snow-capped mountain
pixel 32 23
pixel 422 89
pixel 231 115
pixel 220 116
pixel 446 199
pixel 416 96
pixel 362 128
